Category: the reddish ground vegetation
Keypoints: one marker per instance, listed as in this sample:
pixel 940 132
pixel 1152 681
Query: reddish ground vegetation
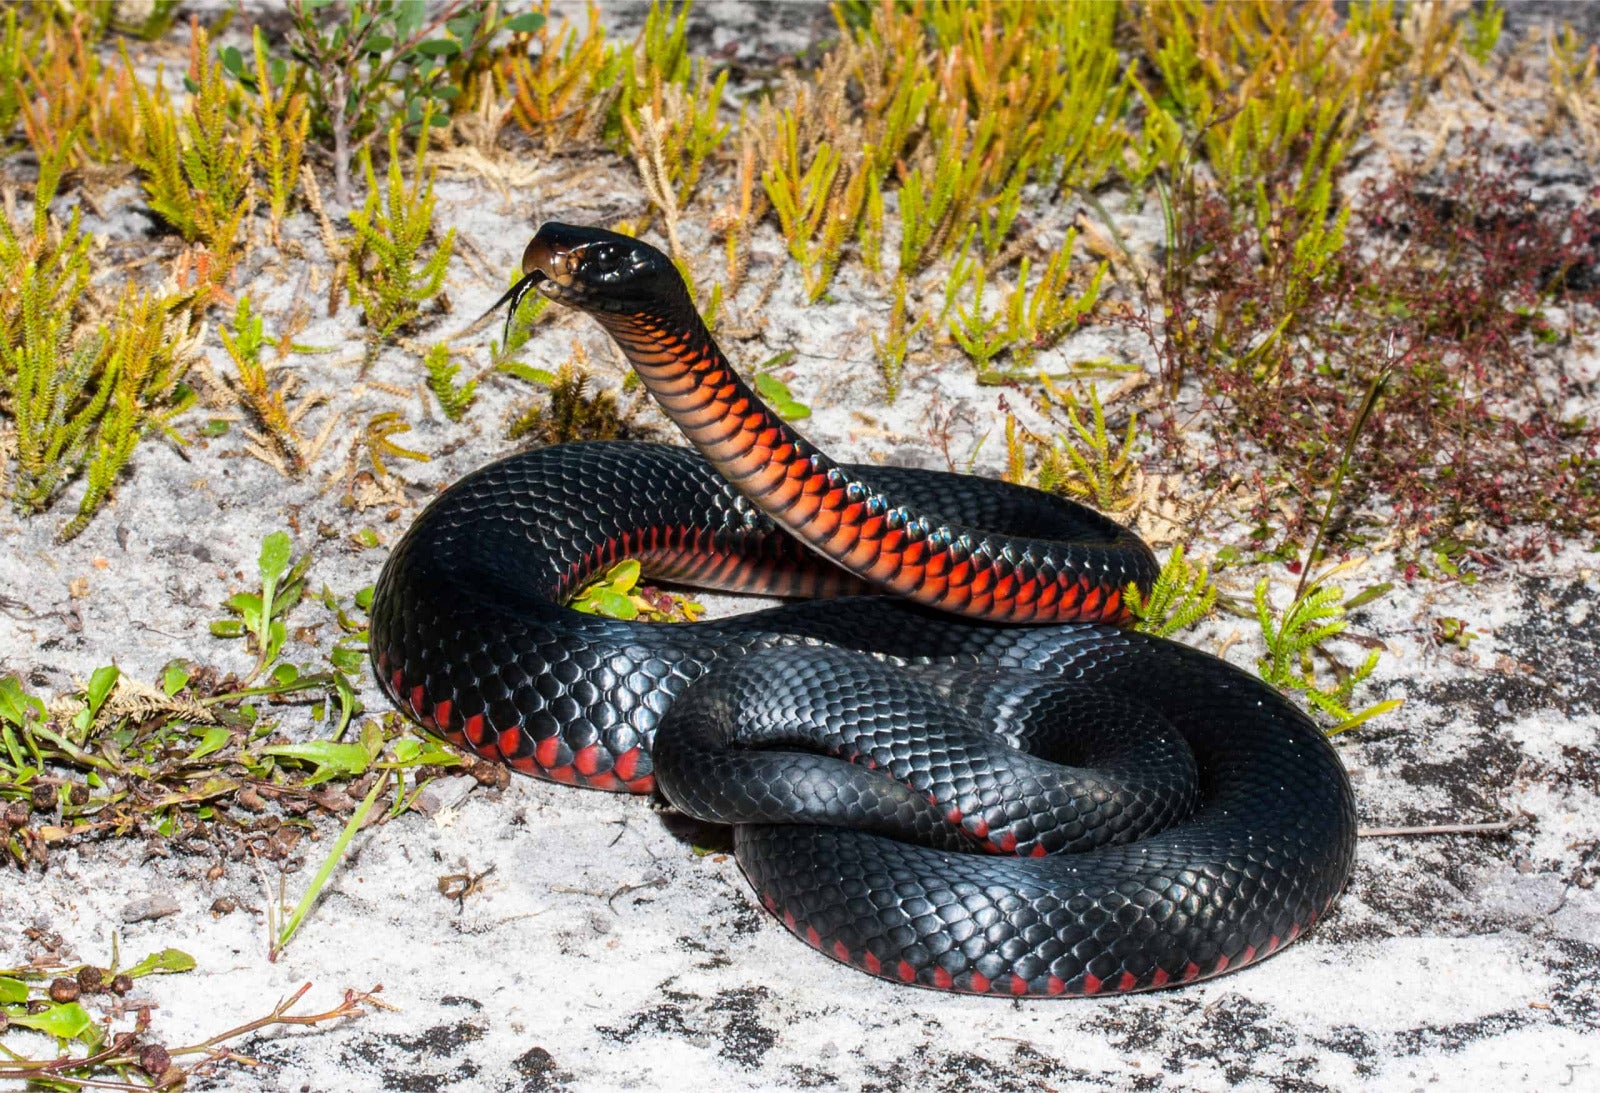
pixel 1454 285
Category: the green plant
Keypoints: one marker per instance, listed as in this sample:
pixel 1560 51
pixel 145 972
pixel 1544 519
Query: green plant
pixel 672 133
pixel 890 350
pixel 387 275
pixel 13 59
pixel 260 616
pixel 775 392
pixel 1483 29
pixel 617 594
pixel 1083 463
pixel 78 401
pixel 1182 595
pixel 282 117
pixel 52 400
pixel 197 165
pixel 1297 634
pixel 147 347
pixel 378 440
pixel 817 213
pixel 982 334
pixel 372 65
pixel 290 924
pixel 564 89
pixel 265 395
pixel 453 400
pixel 573 411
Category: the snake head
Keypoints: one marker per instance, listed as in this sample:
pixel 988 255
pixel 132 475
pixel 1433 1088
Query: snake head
pixel 597 270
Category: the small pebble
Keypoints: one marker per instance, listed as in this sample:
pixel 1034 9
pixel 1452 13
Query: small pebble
pixel 444 793
pixel 150 907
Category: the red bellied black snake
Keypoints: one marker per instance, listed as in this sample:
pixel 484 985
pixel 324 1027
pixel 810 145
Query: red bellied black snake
pixel 955 770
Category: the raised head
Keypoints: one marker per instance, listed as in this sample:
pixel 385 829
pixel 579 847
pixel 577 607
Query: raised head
pixel 598 271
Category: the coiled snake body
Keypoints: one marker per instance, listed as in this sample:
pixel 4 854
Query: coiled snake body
pixel 922 788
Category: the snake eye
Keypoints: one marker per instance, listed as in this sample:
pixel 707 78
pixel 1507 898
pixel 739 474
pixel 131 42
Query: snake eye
pixel 604 258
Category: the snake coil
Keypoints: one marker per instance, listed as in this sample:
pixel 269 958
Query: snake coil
pixel 922 787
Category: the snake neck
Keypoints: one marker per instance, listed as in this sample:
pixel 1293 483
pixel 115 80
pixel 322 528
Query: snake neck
pixel 964 571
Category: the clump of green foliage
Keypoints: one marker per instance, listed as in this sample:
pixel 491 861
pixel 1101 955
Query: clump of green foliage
pixel 455 400
pixel 266 395
pixel 78 400
pixel 1085 463
pixel 197 165
pixel 1181 596
pixel 667 110
pixel 1297 634
pixel 617 594
pixel 388 275
pixel 280 111
pixel 66 95
pixel 196 759
pixel 1032 317
pixel 373 64
pixel 564 83
pixel 572 411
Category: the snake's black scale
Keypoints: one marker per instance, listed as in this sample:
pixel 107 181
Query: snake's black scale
pixel 1058 808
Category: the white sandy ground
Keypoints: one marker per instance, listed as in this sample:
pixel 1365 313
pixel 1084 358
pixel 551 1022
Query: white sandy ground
pixel 603 953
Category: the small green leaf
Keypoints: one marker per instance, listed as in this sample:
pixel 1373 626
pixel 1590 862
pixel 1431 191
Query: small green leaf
pixel 232 60
pixel 17 705
pixel 346 659
pixel 67 1020
pixel 330 759
pixel 1367 595
pixel 248 606
pixel 372 739
pixel 167 960
pixel 227 628
pixel 277 634
pixel 439 47
pixel 214 739
pixel 275 550
pixel 364 598
pixel 379 43
pixel 176 677
pixel 527 373
pixel 528 22
pixel 285 674
pixel 615 604
pixel 1367 714
pixel 623 576
pixel 214 428
pixel 100 685
pixel 777 393
pixel 13 991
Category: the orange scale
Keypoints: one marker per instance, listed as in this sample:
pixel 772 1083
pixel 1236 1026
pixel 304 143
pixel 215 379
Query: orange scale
pixel 509 741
